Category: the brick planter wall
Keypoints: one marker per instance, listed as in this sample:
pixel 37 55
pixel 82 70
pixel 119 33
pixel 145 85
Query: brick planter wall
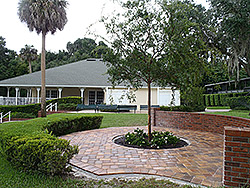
pixel 237 157
pixel 236 144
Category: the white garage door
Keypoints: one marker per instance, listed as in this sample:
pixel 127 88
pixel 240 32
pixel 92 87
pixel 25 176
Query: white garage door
pixel 118 96
pixel 166 97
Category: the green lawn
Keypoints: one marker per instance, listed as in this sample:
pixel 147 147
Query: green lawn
pixel 237 113
pixel 11 177
pixel 218 107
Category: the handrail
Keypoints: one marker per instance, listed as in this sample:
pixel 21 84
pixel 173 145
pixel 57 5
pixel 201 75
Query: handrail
pixel 2 116
pixel 50 107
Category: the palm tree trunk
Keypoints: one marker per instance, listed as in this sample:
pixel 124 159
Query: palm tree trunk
pixel 43 89
pixel 30 68
pixel 149 112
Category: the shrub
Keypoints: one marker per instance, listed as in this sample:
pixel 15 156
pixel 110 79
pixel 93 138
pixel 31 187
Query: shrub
pixel 159 139
pixel 66 100
pixel 67 106
pixel 216 100
pixel 22 115
pixel 68 125
pixel 207 102
pixel 211 100
pixel 239 103
pixel 43 153
pixel 183 108
pixel 29 149
pixel 29 109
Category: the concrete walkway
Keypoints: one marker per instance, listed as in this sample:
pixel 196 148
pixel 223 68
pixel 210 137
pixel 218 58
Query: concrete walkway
pixel 200 163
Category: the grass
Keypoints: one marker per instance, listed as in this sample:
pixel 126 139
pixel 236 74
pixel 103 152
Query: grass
pixel 236 113
pixel 218 107
pixel 11 177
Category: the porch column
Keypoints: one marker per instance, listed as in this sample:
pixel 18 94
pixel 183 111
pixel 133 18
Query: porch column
pixel 17 91
pixel 107 95
pixel 158 96
pixel 82 95
pixel 38 94
pixel 60 92
pixel 8 91
pixel 27 93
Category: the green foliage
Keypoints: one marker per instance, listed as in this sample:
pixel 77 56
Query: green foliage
pixel 183 108
pixel 216 100
pixel 221 99
pixel 65 100
pixel 28 54
pixel 43 153
pixel 10 64
pixel 207 100
pixel 211 100
pixel 28 146
pixel 233 36
pixel 62 126
pixel 159 139
pixel 239 103
pixel 22 115
pixel 29 109
pixel 68 106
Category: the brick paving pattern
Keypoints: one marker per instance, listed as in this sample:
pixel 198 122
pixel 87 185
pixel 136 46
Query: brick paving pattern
pixel 200 163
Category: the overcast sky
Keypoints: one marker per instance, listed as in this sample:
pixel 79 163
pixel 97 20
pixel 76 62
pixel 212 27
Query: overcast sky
pixel 80 13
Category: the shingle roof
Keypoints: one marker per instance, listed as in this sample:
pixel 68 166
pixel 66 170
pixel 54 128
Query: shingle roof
pixel 78 74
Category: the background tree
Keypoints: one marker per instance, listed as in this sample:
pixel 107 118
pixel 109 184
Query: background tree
pixel 150 42
pixel 233 35
pixel 43 16
pixel 28 54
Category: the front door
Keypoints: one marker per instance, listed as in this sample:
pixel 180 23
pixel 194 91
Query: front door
pixel 96 97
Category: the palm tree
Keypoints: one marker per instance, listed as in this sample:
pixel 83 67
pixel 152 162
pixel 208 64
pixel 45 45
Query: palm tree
pixel 28 54
pixel 43 16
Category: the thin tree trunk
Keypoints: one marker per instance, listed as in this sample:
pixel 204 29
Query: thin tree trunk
pixel 30 67
pixel 149 112
pixel 43 89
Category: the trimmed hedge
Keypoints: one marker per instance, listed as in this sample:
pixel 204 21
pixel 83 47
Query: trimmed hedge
pixel 22 115
pixel 66 100
pixel 34 108
pixel 183 108
pixel 220 99
pixel 29 109
pixel 67 106
pixel 43 153
pixel 68 125
pixel 38 151
pixel 239 103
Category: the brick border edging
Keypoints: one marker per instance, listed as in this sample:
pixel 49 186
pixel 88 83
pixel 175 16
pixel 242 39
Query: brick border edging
pixel 236 132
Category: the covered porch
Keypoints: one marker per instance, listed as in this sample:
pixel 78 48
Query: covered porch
pixel 31 95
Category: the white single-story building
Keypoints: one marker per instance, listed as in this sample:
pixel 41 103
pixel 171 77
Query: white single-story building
pixel 87 79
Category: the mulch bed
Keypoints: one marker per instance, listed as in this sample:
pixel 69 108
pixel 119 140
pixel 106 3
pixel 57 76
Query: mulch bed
pixel 120 140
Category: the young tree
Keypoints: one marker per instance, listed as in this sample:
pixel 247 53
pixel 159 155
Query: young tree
pixel 28 54
pixel 43 16
pixel 148 38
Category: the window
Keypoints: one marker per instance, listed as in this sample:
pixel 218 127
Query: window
pixel 51 94
pixel 96 97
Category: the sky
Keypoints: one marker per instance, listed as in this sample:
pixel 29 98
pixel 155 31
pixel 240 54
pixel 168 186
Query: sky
pixel 80 13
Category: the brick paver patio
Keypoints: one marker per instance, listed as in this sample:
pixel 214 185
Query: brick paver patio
pixel 200 163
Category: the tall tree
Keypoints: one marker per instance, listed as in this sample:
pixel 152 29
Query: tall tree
pixel 28 54
pixel 147 39
pixel 43 16
pixel 233 36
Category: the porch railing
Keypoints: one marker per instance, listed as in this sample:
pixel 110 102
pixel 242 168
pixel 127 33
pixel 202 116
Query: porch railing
pixel 2 116
pixel 50 107
pixel 20 100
